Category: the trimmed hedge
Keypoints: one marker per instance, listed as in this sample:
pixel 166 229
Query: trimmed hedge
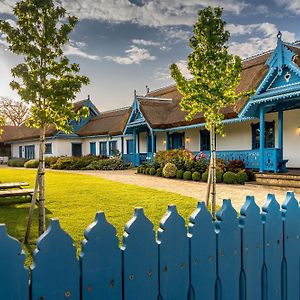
pixel 17 162
pixel 33 163
pixel 196 176
pixel 169 170
pixel 187 175
pixel 241 177
pixel 108 164
pixel 74 162
pixel 152 171
pixel 205 176
pixel 229 178
pixel 159 172
pixel 179 174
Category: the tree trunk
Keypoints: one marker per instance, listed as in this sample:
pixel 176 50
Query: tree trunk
pixel 213 170
pixel 208 183
pixel 42 218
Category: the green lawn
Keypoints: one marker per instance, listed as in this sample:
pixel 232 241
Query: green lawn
pixel 75 199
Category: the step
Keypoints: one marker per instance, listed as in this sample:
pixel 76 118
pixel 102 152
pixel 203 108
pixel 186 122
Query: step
pixel 279 176
pixel 280 187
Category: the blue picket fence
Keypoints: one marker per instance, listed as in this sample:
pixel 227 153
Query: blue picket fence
pixel 251 257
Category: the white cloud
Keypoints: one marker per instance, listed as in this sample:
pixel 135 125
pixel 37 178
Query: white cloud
pixel 142 42
pixel 154 13
pixel 164 74
pixel 262 38
pixel 75 51
pixel 176 34
pixel 292 6
pixel 134 55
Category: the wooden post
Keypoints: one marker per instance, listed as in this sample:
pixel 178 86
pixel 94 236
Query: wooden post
pixel 213 170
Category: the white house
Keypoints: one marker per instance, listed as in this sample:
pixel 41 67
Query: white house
pixel 263 131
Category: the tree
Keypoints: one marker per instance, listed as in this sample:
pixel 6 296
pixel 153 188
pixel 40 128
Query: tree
pixel 215 77
pixel 14 112
pixel 2 122
pixel 47 81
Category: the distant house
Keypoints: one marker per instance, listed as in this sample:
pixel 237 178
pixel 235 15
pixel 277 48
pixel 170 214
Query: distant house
pixel 263 131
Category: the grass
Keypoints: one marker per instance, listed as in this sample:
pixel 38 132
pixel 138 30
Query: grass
pixel 75 199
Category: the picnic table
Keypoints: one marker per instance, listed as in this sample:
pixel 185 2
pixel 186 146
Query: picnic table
pixel 12 185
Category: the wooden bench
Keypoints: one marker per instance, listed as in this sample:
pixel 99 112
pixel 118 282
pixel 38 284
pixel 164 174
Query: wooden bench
pixel 12 185
pixel 16 193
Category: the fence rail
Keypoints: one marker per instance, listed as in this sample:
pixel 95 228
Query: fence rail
pixel 251 257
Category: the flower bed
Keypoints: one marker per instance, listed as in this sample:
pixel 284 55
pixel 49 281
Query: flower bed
pixel 182 164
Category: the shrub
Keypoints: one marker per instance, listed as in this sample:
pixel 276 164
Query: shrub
pixel 169 170
pixel 196 176
pixel 17 162
pixel 205 176
pixel 241 177
pixel 251 175
pixel 33 163
pixel 179 174
pixel 235 165
pixel 187 175
pixel 201 165
pixel 114 163
pixel 229 178
pixel 147 171
pixel 219 176
pixel 50 161
pixel 189 165
pixel 74 162
pixel 159 172
pixel 152 171
pixel 175 156
pixel 221 165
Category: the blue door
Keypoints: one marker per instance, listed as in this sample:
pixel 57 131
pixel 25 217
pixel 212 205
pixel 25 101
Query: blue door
pixel 93 148
pixel 129 146
pixel 177 141
pixel 29 152
pixel 103 148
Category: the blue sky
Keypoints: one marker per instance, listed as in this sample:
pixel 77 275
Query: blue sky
pixel 124 45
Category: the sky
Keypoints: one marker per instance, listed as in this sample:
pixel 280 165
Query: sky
pixel 126 45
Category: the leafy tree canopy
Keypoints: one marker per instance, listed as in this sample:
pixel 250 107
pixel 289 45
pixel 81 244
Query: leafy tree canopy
pixel 215 72
pixel 46 79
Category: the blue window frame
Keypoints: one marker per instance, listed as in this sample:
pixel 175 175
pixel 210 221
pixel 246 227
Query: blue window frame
pixel 103 148
pixel 93 148
pixel 269 135
pixel 149 143
pixel 29 152
pixel 76 149
pixel 113 148
pixel 129 146
pixel 48 148
pixel 204 140
pixel 177 140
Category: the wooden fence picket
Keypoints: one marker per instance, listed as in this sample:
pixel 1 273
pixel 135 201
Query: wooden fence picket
pixel 291 247
pixel 14 278
pixel 228 252
pixel 101 262
pixel 273 248
pixel 173 256
pixel 55 273
pixel 202 254
pixel 140 259
pixel 252 250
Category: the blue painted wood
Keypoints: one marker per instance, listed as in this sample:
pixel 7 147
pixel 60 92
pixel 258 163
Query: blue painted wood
pixel 14 278
pixel 228 251
pixel 203 267
pixel 173 256
pixel 252 249
pixel 291 234
pixel 261 137
pixel 273 248
pixel 101 262
pixel 140 258
pixel 55 272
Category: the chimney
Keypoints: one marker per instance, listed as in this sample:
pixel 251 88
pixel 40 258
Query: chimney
pixel 147 89
pixel 89 98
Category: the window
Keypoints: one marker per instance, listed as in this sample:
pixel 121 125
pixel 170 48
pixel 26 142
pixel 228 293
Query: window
pixel 269 135
pixel 29 152
pixel 204 140
pixel 103 148
pixel 48 148
pixel 93 148
pixel 129 146
pixel 76 149
pixel 113 148
pixel 20 151
pixel 177 140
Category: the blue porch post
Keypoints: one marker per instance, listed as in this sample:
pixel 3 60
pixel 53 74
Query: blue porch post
pixel 152 142
pixel 280 130
pixel 122 146
pixel 134 148
pixel 167 141
pixel 261 138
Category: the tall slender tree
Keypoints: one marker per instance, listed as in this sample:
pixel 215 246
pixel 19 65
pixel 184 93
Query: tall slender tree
pixel 2 122
pixel 46 80
pixel 216 75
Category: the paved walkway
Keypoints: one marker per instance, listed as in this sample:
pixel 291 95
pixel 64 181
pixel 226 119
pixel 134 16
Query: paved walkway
pixel 237 193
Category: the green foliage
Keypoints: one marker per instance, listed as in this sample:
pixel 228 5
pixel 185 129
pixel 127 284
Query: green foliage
pixel 50 161
pixel 152 171
pixel 159 172
pixel 216 73
pixel 251 175
pixel 229 178
pixel 74 162
pixel 169 170
pixel 17 162
pixel 219 176
pixel 2 123
pixel 196 176
pixel 235 165
pixel 241 177
pixel 205 176
pixel 175 156
pixel 187 175
pixel 46 79
pixel 179 174
pixel 201 165
pixel 33 163
pixel 113 163
pixel 147 171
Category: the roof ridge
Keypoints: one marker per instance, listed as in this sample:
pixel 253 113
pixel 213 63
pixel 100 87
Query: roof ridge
pixel 114 110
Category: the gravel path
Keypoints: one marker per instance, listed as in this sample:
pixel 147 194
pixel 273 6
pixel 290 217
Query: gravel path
pixel 237 193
